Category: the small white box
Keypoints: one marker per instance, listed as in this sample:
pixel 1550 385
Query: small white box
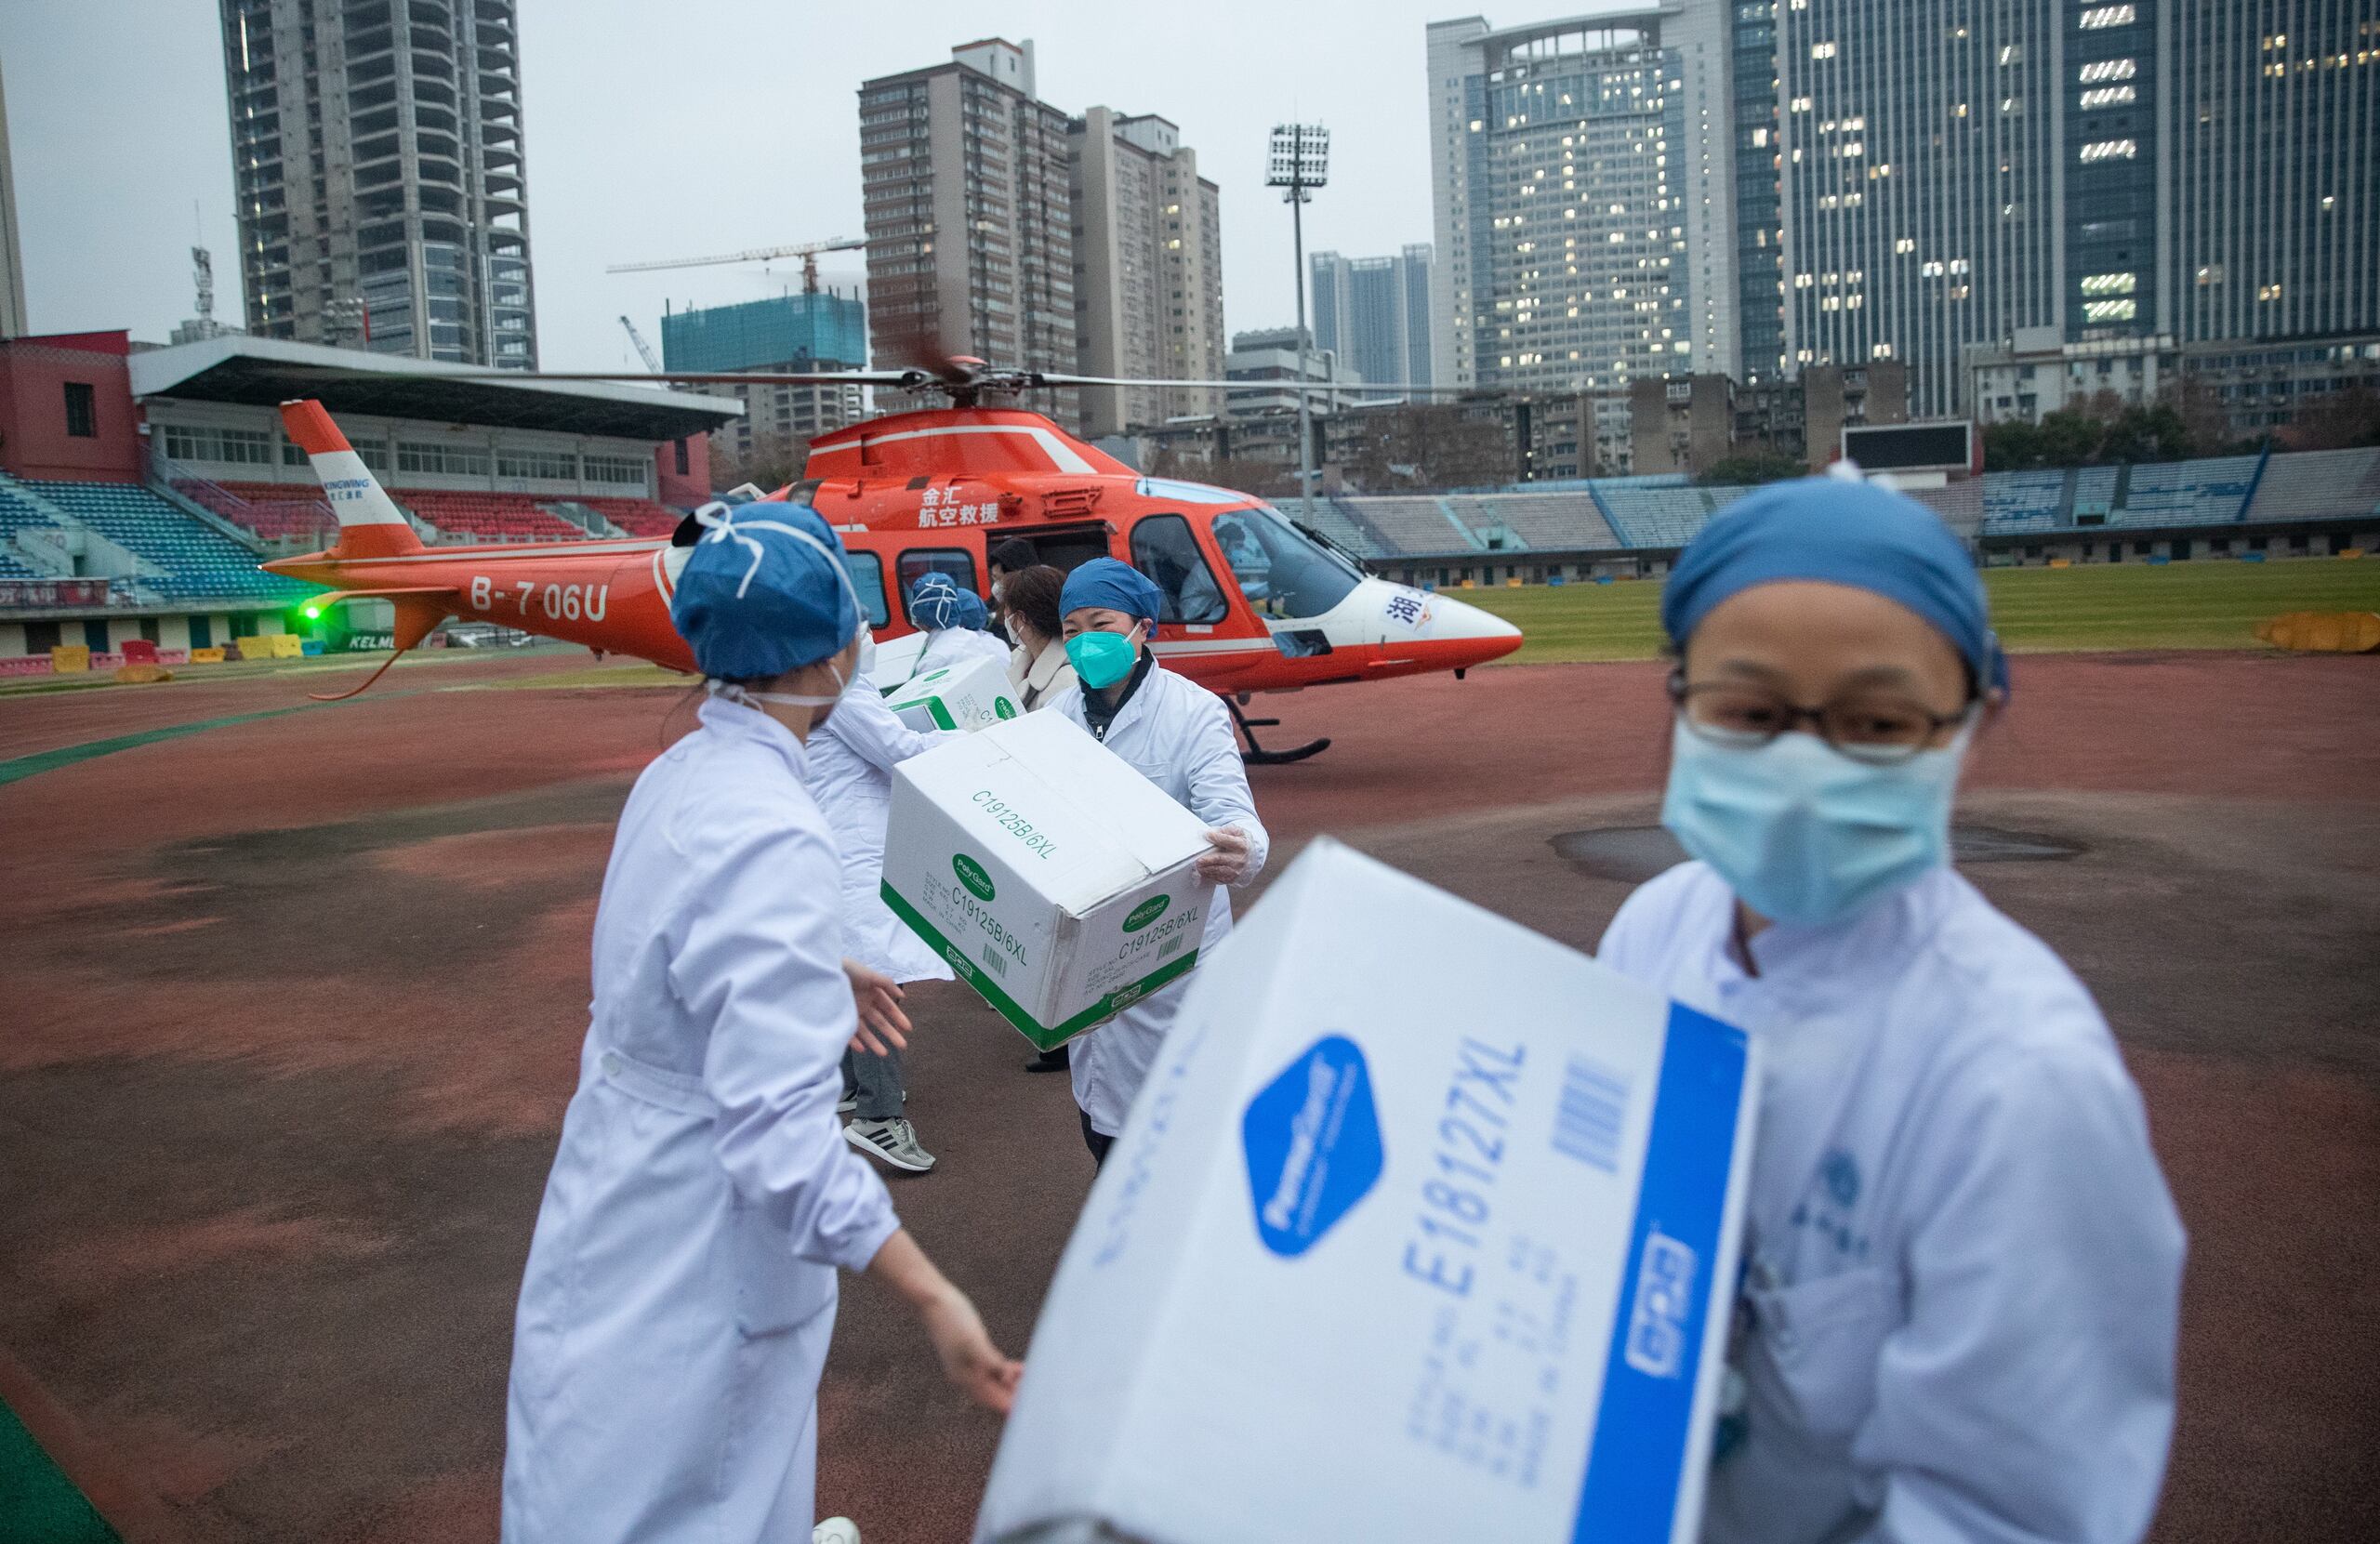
pixel 1423 1227
pixel 897 659
pixel 1054 877
pixel 969 695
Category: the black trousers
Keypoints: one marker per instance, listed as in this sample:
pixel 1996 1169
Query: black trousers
pixel 1097 1141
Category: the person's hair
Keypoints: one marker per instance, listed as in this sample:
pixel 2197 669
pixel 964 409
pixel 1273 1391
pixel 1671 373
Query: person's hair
pixel 1014 554
pixel 1030 596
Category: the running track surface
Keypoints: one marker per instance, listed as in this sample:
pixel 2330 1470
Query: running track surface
pixel 294 1006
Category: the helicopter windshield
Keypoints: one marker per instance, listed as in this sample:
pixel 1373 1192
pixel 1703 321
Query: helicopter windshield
pixel 1283 571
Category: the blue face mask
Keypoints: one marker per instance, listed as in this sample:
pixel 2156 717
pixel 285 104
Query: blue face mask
pixel 1802 833
pixel 1102 659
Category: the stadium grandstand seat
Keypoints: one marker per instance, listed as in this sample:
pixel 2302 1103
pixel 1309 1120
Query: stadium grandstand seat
pixel 19 513
pixel 1959 504
pixel 1416 526
pixel 638 517
pixel 2188 493
pixel 195 560
pixel 1335 520
pixel 1664 517
pixel 487 517
pixel 273 511
pixel 1542 522
pixel 2324 484
pixel 2022 501
pixel 2094 494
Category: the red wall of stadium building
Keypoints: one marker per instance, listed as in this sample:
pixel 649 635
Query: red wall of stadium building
pixel 35 375
pixel 687 489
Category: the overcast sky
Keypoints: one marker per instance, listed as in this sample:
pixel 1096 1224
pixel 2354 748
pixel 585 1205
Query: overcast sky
pixel 661 129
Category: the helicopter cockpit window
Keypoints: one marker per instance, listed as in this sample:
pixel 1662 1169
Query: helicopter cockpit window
pixel 1283 571
pixel 920 561
pixel 868 577
pixel 1164 549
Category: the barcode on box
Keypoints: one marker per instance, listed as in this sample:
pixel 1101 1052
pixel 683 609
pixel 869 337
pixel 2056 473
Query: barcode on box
pixel 1173 945
pixel 1594 1101
pixel 991 958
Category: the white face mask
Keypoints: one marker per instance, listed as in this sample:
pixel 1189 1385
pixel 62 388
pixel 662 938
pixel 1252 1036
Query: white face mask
pixel 750 698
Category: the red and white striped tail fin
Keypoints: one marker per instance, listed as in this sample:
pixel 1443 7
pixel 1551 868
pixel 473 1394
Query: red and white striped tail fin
pixel 370 525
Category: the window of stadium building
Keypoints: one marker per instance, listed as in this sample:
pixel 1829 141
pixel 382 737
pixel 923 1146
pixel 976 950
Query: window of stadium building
pixel 537 464
pixel 246 447
pixel 613 469
pixel 447 460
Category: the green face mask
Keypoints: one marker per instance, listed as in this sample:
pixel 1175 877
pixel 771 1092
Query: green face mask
pixel 1102 659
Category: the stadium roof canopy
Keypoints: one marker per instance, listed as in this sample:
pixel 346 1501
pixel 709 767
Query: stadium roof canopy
pixel 265 372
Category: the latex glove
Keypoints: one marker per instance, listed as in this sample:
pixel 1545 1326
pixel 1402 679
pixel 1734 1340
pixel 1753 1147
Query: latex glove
pixel 1229 859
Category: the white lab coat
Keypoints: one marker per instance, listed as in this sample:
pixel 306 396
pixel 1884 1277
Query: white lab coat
pixel 681 1287
pixel 1178 735
pixel 956 646
pixel 1963 1269
pixel 1040 680
pixel 852 756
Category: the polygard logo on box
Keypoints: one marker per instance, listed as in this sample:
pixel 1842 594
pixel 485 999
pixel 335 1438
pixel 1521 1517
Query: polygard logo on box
pixel 971 875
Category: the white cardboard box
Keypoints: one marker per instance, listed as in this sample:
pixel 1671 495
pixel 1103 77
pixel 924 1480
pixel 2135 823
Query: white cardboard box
pixel 1422 1228
pixel 896 660
pixel 1053 877
pixel 969 695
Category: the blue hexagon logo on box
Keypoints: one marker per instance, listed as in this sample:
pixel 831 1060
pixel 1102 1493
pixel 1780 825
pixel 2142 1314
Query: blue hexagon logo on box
pixel 1312 1136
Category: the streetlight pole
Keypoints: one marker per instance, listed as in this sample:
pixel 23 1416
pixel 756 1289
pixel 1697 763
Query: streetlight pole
pixel 1301 161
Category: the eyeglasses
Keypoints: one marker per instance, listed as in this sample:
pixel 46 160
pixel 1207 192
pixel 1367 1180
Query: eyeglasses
pixel 1876 727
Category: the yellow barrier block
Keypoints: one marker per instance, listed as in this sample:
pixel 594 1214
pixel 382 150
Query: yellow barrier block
pixel 206 656
pixel 2352 552
pixel 2061 562
pixel 1512 583
pixel 66 659
pixel 1464 584
pixel 142 675
pixel 2318 632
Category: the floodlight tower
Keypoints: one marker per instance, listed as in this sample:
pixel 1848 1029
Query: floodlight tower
pixel 1299 163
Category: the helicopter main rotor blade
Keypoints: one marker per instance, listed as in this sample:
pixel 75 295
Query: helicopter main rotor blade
pixel 910 380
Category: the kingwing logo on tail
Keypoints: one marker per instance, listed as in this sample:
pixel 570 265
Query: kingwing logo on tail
pixel 370 525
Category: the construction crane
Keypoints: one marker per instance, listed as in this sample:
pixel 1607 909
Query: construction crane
pixel 807 251
pixel 644 350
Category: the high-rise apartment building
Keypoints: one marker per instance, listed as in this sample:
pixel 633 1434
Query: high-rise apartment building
pixel 12 266
pixel 970 237
pixel 1374 313
pixel 1149 286
pixel 1951 175
pixel 375 151
pixel 1584 197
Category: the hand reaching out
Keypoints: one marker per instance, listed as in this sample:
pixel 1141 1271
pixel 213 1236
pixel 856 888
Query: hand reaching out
pixel 883 1028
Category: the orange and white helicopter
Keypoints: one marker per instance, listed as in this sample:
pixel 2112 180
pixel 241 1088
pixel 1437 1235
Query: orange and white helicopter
pixel 1254 601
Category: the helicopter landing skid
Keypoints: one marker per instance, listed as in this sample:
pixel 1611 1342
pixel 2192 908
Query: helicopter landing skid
pixel 1257 755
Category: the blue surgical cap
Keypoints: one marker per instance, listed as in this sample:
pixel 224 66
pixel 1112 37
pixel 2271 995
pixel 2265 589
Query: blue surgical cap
pixel 1113 585
pixel 935 601
pixel 764 591
pixel 972 611
pixel 1839 533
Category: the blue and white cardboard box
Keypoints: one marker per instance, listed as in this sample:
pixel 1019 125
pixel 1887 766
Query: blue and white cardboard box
pixel 1423 1227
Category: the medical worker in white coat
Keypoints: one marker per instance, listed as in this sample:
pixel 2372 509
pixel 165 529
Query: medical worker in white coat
pixel 1179 735
pixel 851 758
pixel 955 621
pixel 681 1281
pixel 1963 1269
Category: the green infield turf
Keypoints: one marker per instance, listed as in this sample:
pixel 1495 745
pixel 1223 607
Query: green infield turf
pixel 2190 605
